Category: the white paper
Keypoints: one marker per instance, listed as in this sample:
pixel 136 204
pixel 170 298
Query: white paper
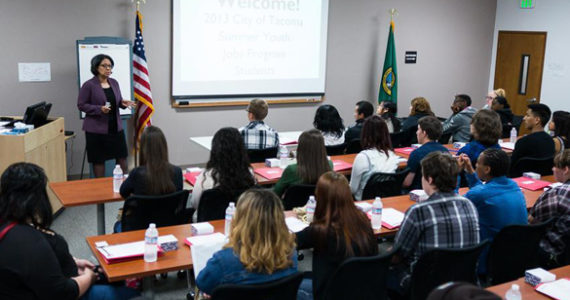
pixel 129 249
pixel 507 145
pixel 559 289
pixel 33 72
pixel 203 248
pixel 294 224
pixel 392 217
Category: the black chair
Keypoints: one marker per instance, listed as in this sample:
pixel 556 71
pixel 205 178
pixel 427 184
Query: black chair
pixel 514 250
pixel 335 149
pixel 517 121
pixel 438 266
pixel 282 289
pixel 213 203
pixel 404 138
pixel 353 146
pixel 506 130
pixel 259 155
pixel 444 138
pixel 297 195
pixel 360 278
pixel 542 166
pixel 384 184
pixel 164 210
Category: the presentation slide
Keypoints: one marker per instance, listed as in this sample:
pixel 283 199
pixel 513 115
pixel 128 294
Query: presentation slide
pixel 249 47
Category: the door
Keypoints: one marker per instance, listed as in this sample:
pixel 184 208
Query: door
pixel 518 68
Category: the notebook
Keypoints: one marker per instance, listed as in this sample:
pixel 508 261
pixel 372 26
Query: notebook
pixel 125 252
pixel 191 177
pixel 341 165
pixel 405 150
pixel 391 218
pixel 294 224
pixel 203 247
pixel 269 173
pixel 558 289
pixel 531 184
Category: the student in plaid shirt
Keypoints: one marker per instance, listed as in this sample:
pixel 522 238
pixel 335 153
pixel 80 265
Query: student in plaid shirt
pixel 555 203
pixel 444 220
pixel 256 134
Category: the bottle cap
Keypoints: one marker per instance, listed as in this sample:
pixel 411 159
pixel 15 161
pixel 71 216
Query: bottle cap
pixel 232 204
pixel 152 225
pixel 515 287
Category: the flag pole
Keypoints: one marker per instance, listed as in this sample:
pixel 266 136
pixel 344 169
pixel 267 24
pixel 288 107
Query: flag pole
pixel 135 136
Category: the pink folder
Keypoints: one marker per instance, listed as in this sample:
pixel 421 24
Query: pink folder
pixel 191 177
pixel 531 184
pixel 115 260
pixel 405 151
pixel 341 165
pixel 269 173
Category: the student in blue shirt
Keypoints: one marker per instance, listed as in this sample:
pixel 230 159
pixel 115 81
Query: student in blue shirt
pixel 500 201
pixel 429 131
pixel 486 129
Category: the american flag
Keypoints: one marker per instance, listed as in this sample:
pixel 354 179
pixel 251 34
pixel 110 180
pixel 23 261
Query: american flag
pixel 143 95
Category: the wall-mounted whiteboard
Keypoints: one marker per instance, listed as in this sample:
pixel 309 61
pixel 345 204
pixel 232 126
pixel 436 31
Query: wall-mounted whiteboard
pixel 117 48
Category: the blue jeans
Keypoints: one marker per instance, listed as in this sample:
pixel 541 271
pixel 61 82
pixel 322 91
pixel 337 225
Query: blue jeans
pixel 109 292
pixel 305 291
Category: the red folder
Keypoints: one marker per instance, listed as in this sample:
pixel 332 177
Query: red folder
pixel 531 184
pixel 191 177
pixel 269 173
pixel 341 165
pixel 405 151
pixel 110 261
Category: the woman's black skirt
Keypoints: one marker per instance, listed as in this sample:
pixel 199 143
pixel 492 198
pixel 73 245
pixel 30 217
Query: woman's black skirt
pixel 102 147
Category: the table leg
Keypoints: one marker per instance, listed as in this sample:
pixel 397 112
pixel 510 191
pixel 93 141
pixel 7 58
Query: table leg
pixel 148 290
pixel 100 218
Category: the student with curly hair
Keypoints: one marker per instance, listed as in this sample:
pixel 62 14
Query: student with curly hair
pixel 486 129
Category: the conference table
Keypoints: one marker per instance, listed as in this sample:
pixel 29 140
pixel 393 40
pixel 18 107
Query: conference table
pixel 287 138
pixel 527 290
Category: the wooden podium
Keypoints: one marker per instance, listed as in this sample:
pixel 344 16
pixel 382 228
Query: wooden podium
pixel 43 146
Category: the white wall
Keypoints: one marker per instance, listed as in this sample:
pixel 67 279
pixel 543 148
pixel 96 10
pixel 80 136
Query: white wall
pixel 453 44
pixel 552 16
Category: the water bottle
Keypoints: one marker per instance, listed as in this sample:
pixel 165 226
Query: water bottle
pixel 514 293
pixel 377 214
pixel 117 178
pixel 513 135
pixel 230 211
pixel 150 243
pixel 283 157
pixel 310 208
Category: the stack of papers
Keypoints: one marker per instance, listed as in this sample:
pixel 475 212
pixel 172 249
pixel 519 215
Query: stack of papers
pixel 295 225
pixel 203 248
pixel 391 218
pixel 559 289
pixel 507 145
pixel 124 252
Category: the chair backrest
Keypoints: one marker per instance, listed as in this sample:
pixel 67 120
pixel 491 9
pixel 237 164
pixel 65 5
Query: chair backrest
pixel 353 146
pixel 542 166
pixel 404 138
pixel 163 210
pixel 297 195
pixel 281 289
pixel 438 266
pixel 360 278
pixel 514 250
pixel 213 203
pixel 517 121
pixel 384 184
pixel 335 149
pixel 259 155
pixel 444 138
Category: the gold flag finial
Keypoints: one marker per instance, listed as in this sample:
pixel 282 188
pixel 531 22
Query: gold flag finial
pixel 138 3
pixel 393 12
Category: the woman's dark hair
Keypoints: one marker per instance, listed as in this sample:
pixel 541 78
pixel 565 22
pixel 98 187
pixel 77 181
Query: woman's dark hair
pixel 229 161
pixel 23 196
pixel 391 114
pixel 312 159
pixel 561 120
pixel 336 215
pixel 328 120
pixel 96 61
pixel 442 168
pixel 375 135
pixel 154 156
pixel 503 101
pixel 487 126
pixel 497 160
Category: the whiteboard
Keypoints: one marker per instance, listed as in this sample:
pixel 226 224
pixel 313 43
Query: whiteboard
pixel 122 70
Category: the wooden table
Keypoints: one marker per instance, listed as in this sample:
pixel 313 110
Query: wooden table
pixel 527 291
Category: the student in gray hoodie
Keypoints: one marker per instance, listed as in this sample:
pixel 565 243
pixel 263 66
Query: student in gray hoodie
pixel 458 124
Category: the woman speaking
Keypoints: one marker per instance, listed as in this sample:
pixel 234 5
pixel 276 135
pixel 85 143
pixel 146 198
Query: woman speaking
pixel 100 100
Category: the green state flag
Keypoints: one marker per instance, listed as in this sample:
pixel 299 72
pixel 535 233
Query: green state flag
pixel 389 82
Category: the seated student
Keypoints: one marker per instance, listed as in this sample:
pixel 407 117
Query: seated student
pixel 338 231
pixel 429 131
pixel 492 95
pixel 444 220
pixel 560 126
pixel 329 122
pixel 363 110
pixel 377 155
pixel 228 167
pixel 486 129
pixel 35 262
pixel 257 134
pixel 388 110
pixel 501 106
pixel 500 201
pixel 419 108
pixel 458 124
pixel 538 143
pixel 555 203
pixel 311 163
pixel 260 247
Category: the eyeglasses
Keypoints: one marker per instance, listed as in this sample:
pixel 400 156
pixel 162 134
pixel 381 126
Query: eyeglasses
pixel 489 97
pixel 106 66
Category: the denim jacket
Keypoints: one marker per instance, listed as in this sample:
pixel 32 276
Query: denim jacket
pixel 225 267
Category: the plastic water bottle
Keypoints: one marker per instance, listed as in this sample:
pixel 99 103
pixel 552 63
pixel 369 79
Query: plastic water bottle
pixel 310 208
pixel 230 211
pixel 117 178
pixel 377 214
pixel 513 293
pixel 513 135
pixel 150 243
pixel 283 157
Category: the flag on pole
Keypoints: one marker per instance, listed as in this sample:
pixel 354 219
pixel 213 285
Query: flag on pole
pixel 389 82
pixel 143 95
